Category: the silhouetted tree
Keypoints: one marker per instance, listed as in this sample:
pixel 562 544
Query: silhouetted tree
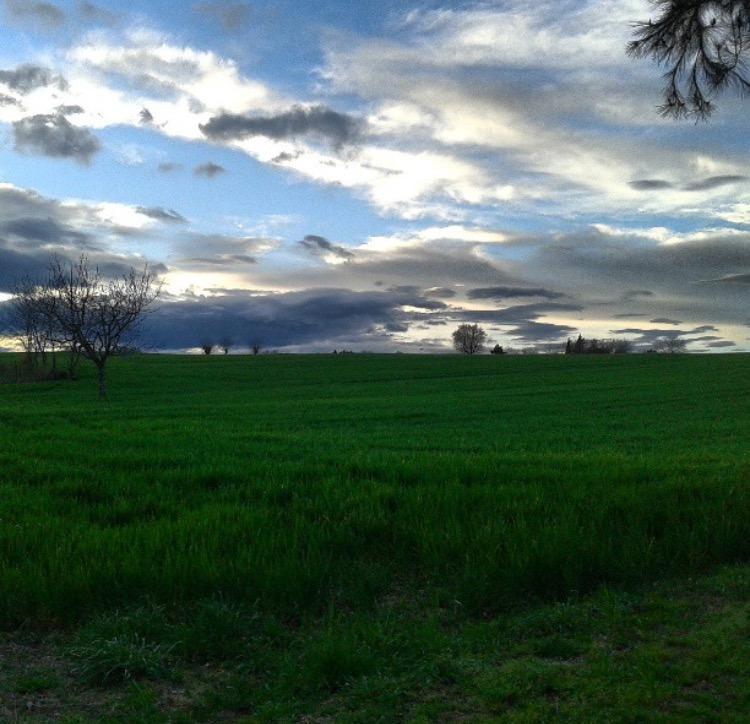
pixel 670 345
pixel 497 349
pixel 29 322
pixel 226 344
pixel 469 339
pixel 703 44
pixel 93 315
pixel 207 347
pixel 569 346
pixel 255 347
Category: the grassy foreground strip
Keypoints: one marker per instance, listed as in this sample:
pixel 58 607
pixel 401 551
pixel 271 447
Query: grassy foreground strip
pixel 354 536
pixel 671 652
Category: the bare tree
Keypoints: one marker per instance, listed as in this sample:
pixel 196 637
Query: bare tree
pixel 469 339
pixel 670 345
pixel 226 344
pixel 29 322
pixel 95 316
pixel 207 348
pixel 703 44
pixel 255 347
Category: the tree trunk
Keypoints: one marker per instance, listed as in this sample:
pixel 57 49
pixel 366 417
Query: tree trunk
pixel 102 383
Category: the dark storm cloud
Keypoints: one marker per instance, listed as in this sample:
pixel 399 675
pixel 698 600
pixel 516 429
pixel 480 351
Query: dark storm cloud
pixel 161 214
pixel 43 231
pixel 512 292
pixel 54 136
pixel 321 245
pixel 665 320
pixel 518 315
pixel 598 263
pixel 541 331
pixel 632 294
pixel 34 263
pixel 146 116
pixel 209 170
pixel 720 344
pixel 713 182
pixel 26 78
pixel 705 184
pixel 322 317
pixel 8 101
pixel 34 228
pixel 317 121
pixel 232 16
pixel 34 12
pixel 650 184
pixel 440 293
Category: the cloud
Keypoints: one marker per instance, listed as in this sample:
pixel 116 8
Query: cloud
pixel 69 110
pixel 194 250
pixel 321 245
pixel 731 279
pixel 316 121
pixel 314 319
pixel 146 116
pixel 665 320
pixel 440 292
pixel 34 12
pixel 632 294
pixel 43 231
pixel 232 16
pixel 92 13
pixel 648 184
pixel 169 167
pixel 714 182
pixel 34 228
pixel 209 170
pixel 160 214
pixel 53 135
pixel 28 77
pixel 512 292
pixel 541 332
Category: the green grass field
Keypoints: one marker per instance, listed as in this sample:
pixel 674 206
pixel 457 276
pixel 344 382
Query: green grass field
pixel 378 538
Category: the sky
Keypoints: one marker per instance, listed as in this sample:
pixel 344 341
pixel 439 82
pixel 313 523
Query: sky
pixel 325 175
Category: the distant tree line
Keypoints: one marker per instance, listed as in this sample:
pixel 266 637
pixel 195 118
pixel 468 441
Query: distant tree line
pixel 226 345
pixel 598 346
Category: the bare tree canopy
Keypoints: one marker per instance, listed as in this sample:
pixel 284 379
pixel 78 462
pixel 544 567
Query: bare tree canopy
pixel 670 345
pixel 95 315
pixel 469 339
pixel 703 44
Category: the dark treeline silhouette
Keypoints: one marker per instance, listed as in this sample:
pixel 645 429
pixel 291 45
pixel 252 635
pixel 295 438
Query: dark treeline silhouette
pixel 597 346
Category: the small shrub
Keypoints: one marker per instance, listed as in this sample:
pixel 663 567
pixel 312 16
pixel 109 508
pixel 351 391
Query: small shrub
pixel 120 659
